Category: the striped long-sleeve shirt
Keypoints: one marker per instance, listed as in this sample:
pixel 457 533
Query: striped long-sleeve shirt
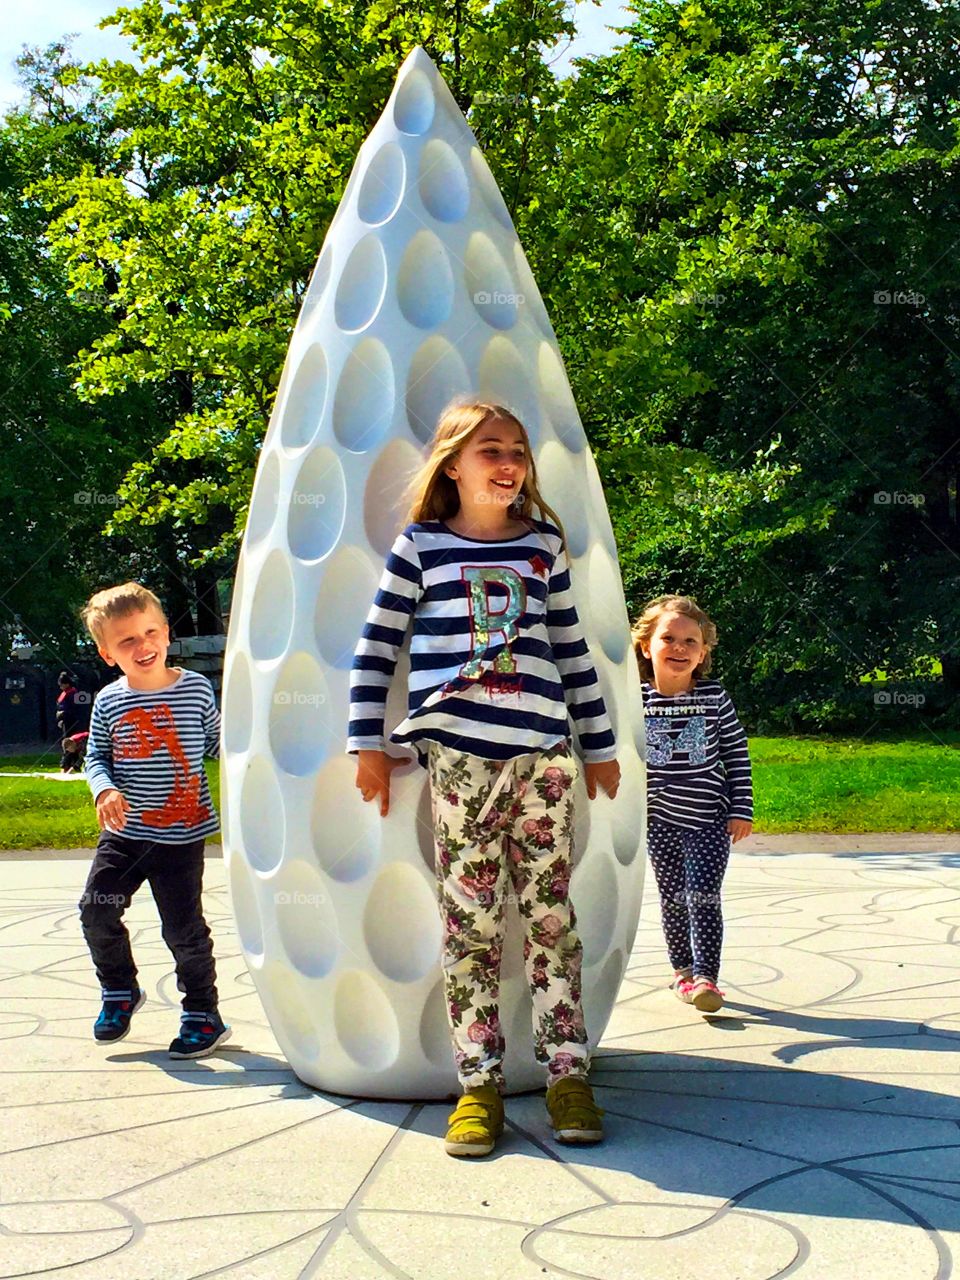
pixel 698 766
pixel 498 662
pixel 149 744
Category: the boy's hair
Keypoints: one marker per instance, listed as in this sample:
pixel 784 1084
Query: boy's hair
pixel 434 496
pixel 646 624
pixel 117 602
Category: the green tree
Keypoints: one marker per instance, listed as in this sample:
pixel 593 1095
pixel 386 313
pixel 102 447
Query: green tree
pixel 755 178
pixel 234 141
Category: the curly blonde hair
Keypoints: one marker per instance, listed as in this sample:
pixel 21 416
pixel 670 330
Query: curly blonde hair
pixel 651 614
pixel 433 495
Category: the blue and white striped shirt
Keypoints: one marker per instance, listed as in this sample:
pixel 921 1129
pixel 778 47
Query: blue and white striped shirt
pixel 698 766
pixel 498 662
pixel 150 744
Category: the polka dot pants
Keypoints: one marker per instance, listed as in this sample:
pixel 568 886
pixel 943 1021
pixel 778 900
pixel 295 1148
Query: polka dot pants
pixel 689 867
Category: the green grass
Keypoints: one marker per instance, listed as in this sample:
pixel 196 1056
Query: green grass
pixel 801 784
pixel 849 784
pixel 39 814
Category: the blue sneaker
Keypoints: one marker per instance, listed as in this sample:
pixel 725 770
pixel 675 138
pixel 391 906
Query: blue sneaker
pixel 118 1008
pixel 200 1033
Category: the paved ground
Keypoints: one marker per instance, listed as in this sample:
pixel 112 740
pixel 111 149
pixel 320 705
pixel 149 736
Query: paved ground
pixel 812 1131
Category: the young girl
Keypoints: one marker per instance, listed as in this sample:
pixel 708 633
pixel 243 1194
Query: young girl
pixel 699 788
pixel 497 662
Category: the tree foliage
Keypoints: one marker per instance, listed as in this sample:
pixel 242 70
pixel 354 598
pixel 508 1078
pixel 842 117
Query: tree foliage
pixel 741 221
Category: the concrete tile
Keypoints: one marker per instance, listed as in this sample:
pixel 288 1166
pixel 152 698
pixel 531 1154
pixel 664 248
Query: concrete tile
pixel 811 1125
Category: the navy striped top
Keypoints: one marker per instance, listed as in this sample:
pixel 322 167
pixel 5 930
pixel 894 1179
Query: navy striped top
pixel 150 744
pixel 498 662
pixel 698 766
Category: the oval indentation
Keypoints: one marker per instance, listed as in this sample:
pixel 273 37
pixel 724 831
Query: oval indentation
pixel 437 375
pixel 558 398
pixel 426 842
pixel 303 412
pixel 362 285
pixel 349 585
pixel 365 1024
pixel 382 187
pixel 317 505
pixel 487 186
pixel 385 509
pixel 245 910
pixel 610 624
pixel 317 288
pixel 611 682
pixel 415 104
pixel 598 505
pixel 299 716
pixel 490 285
pixel 263 504
pixel 401 924
pixel 442 182
pixel 435 1029
pixel 533 305
pixel 290 1017
pixel 563 478
pixel 635 706
pixel 345 830
pixel 262 822
pixel 237 704
pixel 593 890
pixel 425 282
pixel 363 404
pixel 602 998
pixel 504 378
pixel 627 825
pixel 306 920
pixel 271 613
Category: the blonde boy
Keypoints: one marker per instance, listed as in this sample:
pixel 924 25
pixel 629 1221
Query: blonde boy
pixel 149 733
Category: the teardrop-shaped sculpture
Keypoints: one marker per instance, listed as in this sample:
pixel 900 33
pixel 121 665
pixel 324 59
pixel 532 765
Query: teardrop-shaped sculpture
pixel 421 292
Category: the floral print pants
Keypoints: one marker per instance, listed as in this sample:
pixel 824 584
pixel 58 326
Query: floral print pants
pixel 494 830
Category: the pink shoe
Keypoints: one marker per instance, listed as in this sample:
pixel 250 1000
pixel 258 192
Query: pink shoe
pixel 682 987
pixel 705 995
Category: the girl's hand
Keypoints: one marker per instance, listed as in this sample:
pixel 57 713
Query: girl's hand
pixel 605 775
pixel 738 828
pixel 373 776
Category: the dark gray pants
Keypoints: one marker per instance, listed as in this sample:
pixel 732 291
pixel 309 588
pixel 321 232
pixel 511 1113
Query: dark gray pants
pixel 175 874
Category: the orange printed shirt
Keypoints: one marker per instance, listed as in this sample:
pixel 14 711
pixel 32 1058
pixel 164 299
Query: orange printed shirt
pixel 150 745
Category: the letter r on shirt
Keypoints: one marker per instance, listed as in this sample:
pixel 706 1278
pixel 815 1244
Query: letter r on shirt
pixel 485 620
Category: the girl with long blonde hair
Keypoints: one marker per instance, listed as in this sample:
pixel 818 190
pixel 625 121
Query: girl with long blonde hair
pixel 498 669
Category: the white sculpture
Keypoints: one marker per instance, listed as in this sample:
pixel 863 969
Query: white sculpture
pixel 421 292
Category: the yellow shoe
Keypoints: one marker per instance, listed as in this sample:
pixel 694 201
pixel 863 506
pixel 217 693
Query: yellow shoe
pixel 575 1115
pixel 476 1123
